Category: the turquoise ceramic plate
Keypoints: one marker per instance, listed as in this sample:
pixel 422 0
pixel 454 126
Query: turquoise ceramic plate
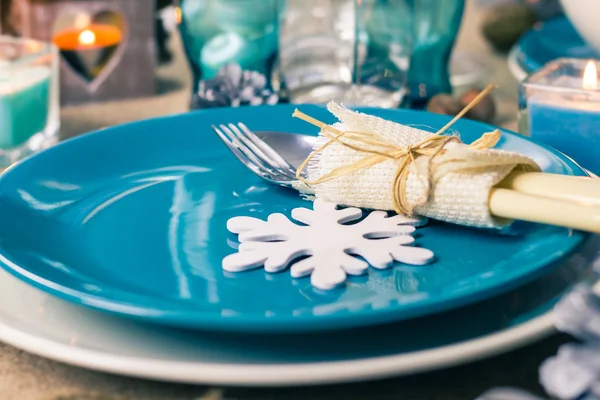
pixel 49 327
pixel 131 220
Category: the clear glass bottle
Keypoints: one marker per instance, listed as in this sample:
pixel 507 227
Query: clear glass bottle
pixel 351 51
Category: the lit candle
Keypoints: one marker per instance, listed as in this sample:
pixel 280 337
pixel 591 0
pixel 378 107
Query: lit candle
pixel 590 76
pixel 88 48
pixel 563 109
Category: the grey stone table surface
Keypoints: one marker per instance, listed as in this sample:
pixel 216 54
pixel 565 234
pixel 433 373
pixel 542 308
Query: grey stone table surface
pixel 28 377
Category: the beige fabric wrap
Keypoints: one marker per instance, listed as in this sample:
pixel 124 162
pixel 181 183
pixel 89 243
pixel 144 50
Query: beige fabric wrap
pixel 462 178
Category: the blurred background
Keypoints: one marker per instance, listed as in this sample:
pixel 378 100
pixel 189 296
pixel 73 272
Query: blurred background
pixel 120 60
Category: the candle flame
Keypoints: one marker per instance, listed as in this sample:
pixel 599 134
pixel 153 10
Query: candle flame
pixel 590 76
pixel 86 37
pixel 178 15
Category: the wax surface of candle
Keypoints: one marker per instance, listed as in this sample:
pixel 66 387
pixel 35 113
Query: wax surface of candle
pixel 24 97
pixel 103 36
pixel 570 126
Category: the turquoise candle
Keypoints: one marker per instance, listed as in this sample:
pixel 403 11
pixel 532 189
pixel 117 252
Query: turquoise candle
pixel 24 99
pixel 560 106
pixel 571 127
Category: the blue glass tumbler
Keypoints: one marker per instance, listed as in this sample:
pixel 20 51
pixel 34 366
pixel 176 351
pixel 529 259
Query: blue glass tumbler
pixel 436 24
pixel 221 33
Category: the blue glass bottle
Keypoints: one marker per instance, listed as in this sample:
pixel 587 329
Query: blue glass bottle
pixel 436 24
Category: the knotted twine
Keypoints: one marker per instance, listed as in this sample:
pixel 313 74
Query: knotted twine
pixel 416 157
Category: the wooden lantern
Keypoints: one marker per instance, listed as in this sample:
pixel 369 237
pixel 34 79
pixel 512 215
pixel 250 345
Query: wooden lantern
pixel 107 46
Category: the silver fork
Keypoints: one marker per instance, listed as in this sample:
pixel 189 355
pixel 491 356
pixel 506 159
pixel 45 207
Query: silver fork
pixel 256 154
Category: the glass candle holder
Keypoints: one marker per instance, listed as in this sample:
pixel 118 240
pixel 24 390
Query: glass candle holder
pixel 29 103
pixel 560 106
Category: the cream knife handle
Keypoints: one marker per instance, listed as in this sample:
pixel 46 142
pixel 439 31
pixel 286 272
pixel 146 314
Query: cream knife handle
pixel 570 188
pixel 509 204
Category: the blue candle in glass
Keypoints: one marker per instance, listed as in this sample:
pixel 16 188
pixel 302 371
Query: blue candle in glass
pixel 24 98
pixel 560 106
pixel 29 102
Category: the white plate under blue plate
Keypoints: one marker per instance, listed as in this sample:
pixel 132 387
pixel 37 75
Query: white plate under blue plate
pixel 44 325
pixel 132 220
pixel 547 41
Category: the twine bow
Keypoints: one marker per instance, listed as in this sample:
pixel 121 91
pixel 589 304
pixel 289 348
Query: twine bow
pixel 379 150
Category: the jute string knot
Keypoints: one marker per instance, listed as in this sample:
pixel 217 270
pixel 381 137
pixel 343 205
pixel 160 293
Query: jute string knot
pixel 379 150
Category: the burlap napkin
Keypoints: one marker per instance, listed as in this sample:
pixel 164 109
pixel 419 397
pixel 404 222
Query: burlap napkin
pixel 454 186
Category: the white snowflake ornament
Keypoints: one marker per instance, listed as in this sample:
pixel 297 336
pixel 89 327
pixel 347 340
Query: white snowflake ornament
pixel 327 241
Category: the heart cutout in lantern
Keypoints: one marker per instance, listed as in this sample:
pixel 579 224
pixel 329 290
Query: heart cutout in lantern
pixel 90 44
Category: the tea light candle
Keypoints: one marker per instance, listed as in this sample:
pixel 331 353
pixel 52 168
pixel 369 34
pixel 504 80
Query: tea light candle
pixel 562 109
pixel 93 36
pixel 24 98
pixel 84 47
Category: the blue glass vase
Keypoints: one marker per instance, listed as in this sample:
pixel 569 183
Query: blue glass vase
pixel 436 24
pixel 219 34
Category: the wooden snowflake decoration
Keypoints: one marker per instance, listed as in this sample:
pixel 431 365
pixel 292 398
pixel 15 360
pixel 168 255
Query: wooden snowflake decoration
pixel 328 242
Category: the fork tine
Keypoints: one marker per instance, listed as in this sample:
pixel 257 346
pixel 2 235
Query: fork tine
pixel 243 149
pixel 275 174
pixel 240 156
pixel 252 147
pixel 267 149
